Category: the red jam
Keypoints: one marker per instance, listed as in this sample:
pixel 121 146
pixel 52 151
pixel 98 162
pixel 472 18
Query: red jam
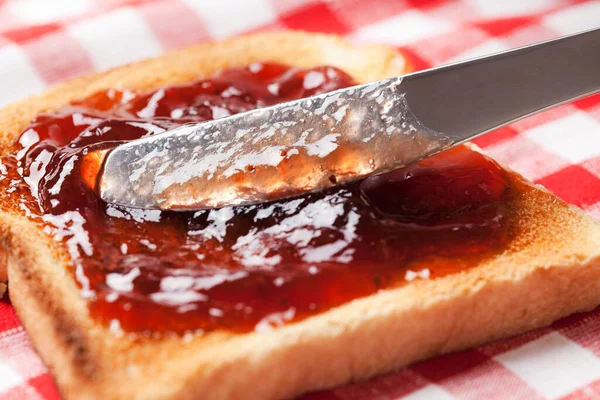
pixel 250 267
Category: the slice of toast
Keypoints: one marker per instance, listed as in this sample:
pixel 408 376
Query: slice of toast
pixel 549 270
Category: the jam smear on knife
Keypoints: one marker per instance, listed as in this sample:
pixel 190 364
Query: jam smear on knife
pixel 250 267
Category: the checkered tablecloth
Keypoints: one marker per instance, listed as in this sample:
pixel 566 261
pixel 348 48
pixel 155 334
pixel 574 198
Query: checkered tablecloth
pixel 43 42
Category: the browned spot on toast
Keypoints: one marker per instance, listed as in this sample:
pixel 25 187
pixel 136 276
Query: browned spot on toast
pixel 68 332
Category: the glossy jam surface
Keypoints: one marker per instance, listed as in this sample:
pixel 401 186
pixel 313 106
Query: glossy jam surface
pixel 251 267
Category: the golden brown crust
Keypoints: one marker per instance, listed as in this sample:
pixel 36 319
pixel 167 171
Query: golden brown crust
pixel 550 270
pixel 3 259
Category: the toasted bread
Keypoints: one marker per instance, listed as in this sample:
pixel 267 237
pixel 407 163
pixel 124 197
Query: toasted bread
pixel 549 270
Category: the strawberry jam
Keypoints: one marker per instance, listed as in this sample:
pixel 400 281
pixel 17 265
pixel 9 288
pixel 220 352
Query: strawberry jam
pixel 250 267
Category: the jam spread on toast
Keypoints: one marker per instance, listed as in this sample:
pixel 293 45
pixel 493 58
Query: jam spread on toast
pixel 248 267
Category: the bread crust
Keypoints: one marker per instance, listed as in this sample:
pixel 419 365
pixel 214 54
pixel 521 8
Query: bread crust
pixel 551 269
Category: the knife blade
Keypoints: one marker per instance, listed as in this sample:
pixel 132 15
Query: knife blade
pixel 342 136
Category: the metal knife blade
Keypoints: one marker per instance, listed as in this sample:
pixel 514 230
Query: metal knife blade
pixel 342 136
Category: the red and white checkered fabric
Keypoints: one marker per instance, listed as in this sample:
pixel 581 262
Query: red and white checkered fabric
pixel 43 42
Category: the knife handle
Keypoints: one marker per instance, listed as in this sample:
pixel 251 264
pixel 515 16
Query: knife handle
pixel 470 98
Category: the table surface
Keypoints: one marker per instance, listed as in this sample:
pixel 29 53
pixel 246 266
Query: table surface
pixel 44 42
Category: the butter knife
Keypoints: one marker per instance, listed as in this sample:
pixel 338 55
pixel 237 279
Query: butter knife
pixel 345 135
